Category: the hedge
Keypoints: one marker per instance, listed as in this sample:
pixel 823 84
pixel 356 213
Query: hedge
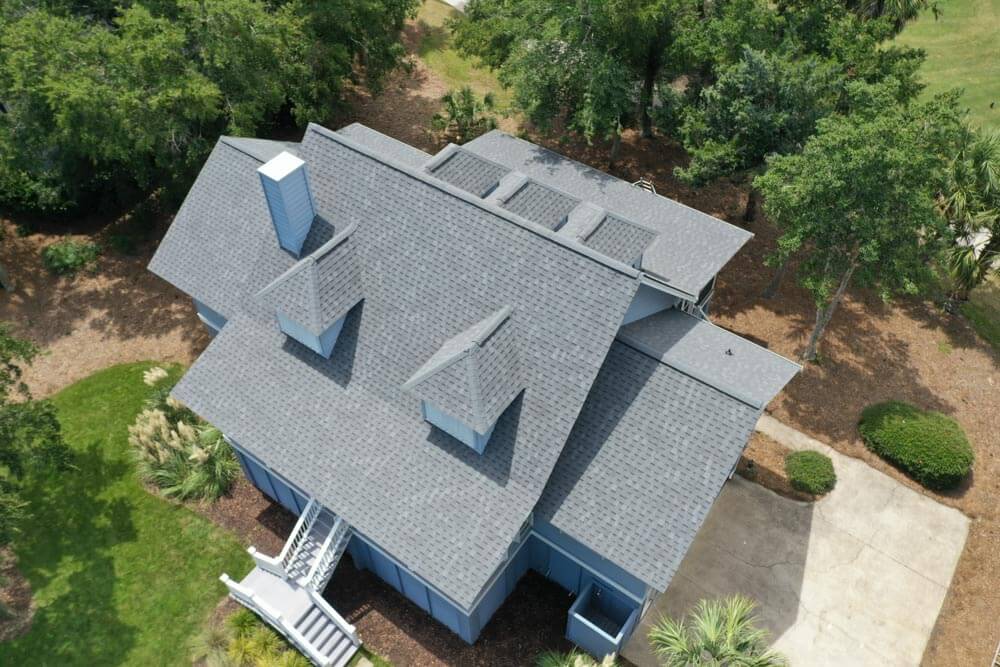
pixel 810 472
pixel 928 446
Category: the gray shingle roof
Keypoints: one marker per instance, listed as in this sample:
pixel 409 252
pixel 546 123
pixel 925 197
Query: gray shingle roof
pixel 620 239
pixel 541 204
pixel 320 288
pixel 718 357
pixel 433 260
pixel 691 247
pixel 475 375
pixel 469 172
pixel 260 149
pixel 644 463
pixel 394 149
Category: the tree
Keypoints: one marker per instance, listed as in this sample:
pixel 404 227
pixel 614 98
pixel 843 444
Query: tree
pixel 30 435
pixel 100 102
pixel 465 116
pixel 858 202
pixel 594 63
pixel 718 632
pixel 761 104
pixel 90 109
pixel 970 202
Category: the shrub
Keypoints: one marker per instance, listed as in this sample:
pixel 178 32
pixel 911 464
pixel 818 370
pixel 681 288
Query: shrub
pixel 928 446
pixel 177 452
pixel 68 256
pixel 810 472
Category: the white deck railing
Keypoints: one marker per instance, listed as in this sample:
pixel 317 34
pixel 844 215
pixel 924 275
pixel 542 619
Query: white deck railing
pixel 278 565
pixel 341 622
pixel 253 601
pixel 329 555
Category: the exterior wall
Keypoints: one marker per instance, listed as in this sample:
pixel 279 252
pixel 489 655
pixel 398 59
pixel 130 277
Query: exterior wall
pixel 291 205
pixel 322 344
pixel 544 549
pixel 647 301
pixel 456 428
pixel 212 320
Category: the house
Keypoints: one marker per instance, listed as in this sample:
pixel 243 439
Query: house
pixel 459 367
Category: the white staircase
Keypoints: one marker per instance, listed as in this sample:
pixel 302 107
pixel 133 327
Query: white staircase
pixel 287 590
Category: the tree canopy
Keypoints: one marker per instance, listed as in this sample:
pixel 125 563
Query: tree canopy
pixel 105 98
pixel 30 434
pixel 858 203
pixel 595 63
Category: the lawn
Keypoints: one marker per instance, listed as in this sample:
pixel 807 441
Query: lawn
pixel 119 576
pixel 963 50
pixel 434 48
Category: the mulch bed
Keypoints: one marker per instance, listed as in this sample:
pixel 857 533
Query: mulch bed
pixel 15 595
pixel 531 620
pixel 763 462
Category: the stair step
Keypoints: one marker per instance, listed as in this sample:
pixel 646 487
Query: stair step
pixel 320 638
pixel 334 649
pixel 309 621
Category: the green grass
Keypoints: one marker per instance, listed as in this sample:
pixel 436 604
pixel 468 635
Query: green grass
pixel 983 311
pixel 119 576
pixel 963 51
pixel 456 70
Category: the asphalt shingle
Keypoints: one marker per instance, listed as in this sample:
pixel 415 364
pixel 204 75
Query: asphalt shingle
pixel 469 172
pixel 620 239
pixel 541 204
pixel 434 261
pixel 691 247
pixel 644 463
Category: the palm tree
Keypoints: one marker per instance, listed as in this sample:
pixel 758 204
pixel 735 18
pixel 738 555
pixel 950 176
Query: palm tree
pixel 718 633
pixel 465 116
pixel 572 659
pixel 970 201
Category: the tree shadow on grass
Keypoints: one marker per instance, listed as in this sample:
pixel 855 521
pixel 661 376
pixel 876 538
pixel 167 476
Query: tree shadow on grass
pixel 65 553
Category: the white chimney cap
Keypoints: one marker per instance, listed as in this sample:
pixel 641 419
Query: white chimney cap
pixel 280 166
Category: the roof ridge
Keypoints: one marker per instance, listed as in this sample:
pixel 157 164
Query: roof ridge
pixel 524 223
pixel 494 320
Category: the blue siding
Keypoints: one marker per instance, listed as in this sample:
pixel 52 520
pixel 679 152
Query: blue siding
pixel 456 428
pixel 602 567
pixel 291 205
pixel 322 344
pixel 648 300
pixel 213 320
pixel 534 553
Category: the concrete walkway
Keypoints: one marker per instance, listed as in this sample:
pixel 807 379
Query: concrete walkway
pixel 857 578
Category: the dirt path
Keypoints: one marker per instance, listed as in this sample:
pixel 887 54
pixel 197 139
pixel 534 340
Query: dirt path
pixel 116 314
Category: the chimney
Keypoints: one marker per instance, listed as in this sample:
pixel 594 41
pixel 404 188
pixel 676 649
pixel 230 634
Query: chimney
pixel 286 187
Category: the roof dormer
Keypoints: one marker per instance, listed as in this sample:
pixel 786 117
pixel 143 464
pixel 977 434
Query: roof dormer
pixel 471 380
pixel 312 299
pixel 289 199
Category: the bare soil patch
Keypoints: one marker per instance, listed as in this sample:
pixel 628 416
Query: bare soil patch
pixel 117 313
pixel 17 609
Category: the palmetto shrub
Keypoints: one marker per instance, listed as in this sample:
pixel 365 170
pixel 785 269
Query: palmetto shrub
pixel 244 641
pixel 573 659
pixel 717 632
pixel 175 451
pixel 69 256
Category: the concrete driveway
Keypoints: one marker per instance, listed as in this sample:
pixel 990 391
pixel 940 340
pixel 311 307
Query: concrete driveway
pixel 857 578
